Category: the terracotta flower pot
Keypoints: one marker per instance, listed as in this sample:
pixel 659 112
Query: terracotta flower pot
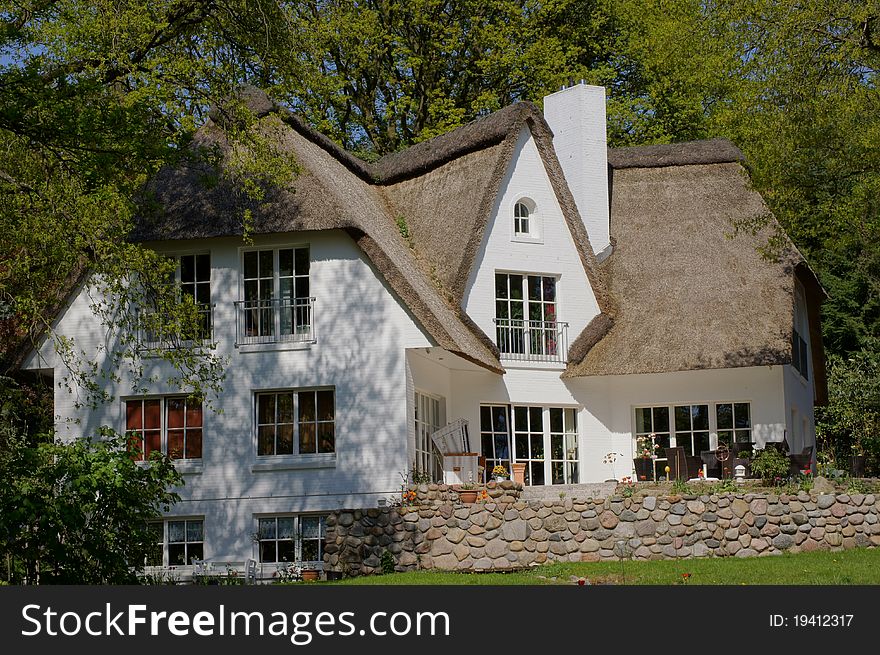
pixel 311 574
pixel 467 495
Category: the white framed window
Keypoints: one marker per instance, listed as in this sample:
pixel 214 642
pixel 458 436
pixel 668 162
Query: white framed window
pixel 191 278
pixel 525 317
pixel 800 351
pixel 176 542
pixel 526 225
pixel 696 427
pixel 173 425
pixel 428 419
pixel 545 439
pixel 293 538
pixel 276 303
pixel 194 277
pixel 295 422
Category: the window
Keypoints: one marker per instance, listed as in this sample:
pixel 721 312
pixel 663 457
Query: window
pixel 544 439
pixel 655 420
pixel 695 428
pixel 176 542
pixel 800 355
pixel 195 281
pixel 276 304
pixel 525 317
pixel 521 215
pixel 192 279
pixel 734 423
pixel 179 435
pixel 312 431
pixel 278 539
pixel 186 541
pixel 563 445
pixel 692 428
pixel 291 539
pixel 495 436
pixel 427 422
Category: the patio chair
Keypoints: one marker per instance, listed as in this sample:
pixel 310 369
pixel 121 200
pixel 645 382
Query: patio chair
pixel 713 466
pixel 681 465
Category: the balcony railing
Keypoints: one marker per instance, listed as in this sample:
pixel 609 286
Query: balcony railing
pixel 150 339
pixel 274 321
pixel 532 341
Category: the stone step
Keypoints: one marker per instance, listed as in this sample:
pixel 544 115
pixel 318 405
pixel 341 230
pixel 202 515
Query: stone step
pixel 553 491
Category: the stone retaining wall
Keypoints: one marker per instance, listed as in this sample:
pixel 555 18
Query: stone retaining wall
pixel 441 533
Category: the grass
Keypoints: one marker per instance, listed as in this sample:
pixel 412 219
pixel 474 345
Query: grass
pixel 860 566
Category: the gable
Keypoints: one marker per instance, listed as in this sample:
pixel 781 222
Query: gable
pixel 552 249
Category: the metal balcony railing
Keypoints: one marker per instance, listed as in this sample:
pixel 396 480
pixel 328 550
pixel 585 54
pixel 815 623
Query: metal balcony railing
pixel 532 341
pixel 149 337
pixel 274 321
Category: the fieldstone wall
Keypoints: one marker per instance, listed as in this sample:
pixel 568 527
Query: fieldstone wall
pixel 442 533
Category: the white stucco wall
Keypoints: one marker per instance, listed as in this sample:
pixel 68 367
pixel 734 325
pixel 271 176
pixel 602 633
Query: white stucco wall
pixel 800 420
pixel 553 253
pixel 362 331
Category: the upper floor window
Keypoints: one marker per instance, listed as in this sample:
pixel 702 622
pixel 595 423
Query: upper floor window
pixel 194 276
pixel 525 223
pixel 296 422
pixel 191 279
pixel 525 318
pixel 276 304
pixel 800 354
pixel 171 425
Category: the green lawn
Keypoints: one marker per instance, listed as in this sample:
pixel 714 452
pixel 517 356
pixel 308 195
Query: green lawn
pixel 861 566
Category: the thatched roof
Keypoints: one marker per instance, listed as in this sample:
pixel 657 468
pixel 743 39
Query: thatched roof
pixel 709 151
pixel 676 294
pixel 691 291
pixel 443 190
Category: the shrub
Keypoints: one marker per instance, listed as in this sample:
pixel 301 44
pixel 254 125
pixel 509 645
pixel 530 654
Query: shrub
pixel 769 464
pixel 387 562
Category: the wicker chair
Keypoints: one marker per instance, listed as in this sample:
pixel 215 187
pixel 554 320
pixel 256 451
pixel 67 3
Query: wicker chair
pixel 681 465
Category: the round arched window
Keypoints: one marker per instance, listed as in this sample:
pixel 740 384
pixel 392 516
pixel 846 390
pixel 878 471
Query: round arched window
pixel 521 218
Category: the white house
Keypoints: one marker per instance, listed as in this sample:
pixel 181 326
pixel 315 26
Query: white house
pixel 561 298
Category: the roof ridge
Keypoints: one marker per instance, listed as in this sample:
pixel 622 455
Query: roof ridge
pixel 717 150
pixel 413 160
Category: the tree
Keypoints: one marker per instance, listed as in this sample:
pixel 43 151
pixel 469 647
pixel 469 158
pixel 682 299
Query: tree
pixel 850 424
pixel 95 97
pixel 76 512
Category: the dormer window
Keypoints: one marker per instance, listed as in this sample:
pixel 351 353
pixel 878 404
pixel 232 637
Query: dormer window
pixel 521 219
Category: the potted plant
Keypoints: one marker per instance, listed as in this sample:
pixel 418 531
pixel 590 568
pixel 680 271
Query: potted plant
pixel 499 473
pixel 646 452
pixel 467 492
pixel 310 575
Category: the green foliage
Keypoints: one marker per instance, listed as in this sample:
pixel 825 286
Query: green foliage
pixel 770 465
pixel 850 423
pixel 78 512
pixel 680 486
pixel 386 561
pixel 725 486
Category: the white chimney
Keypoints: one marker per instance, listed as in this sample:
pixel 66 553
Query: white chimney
pixel 577 117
